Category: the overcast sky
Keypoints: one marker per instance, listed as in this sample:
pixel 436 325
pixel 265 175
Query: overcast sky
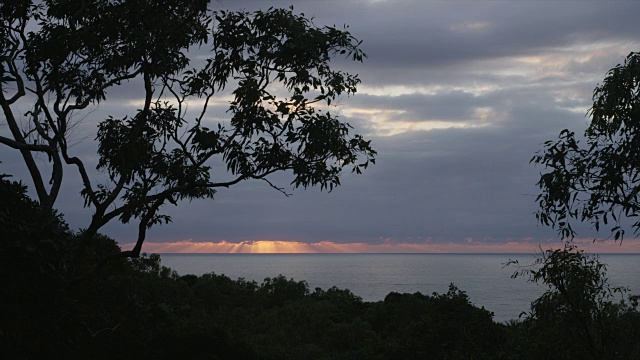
pixel 456 96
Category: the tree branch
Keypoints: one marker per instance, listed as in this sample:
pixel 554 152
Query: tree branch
pixel 114 81
pixel 23 146
pixel 36 176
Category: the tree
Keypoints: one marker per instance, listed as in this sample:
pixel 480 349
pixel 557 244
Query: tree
pixel 600 182
pixel 577 316
pixel 61 58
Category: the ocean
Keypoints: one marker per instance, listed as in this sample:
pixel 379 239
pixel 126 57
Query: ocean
pixel 372 276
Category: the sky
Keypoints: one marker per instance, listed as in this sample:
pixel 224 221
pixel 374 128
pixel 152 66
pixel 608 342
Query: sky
pixel 456 98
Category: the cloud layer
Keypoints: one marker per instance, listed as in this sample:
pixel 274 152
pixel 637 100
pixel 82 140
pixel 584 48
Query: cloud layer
pixel 456 97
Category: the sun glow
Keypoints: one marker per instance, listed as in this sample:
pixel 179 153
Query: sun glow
pixel 329 247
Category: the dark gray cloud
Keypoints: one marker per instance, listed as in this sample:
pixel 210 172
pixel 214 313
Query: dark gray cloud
pixel 453 105
pixel 408 40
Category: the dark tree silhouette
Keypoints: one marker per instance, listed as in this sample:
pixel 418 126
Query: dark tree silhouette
pixel 600 182
pixel 61 58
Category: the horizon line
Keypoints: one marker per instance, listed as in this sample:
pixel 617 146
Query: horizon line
pixel 380 253
pixel 631 246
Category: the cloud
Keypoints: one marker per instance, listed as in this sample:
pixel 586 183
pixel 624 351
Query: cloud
pixel 417 107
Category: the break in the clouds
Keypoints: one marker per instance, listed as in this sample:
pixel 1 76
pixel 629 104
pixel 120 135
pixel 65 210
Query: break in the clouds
pixel 456 96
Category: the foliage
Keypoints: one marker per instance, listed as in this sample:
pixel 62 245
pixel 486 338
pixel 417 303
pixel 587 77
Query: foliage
pixel 27 228
pixel 137 308
pixel 578 315
pixel 64 57
pixel 32 265
pixel 280 290
pixel 441 326
pixel 600 182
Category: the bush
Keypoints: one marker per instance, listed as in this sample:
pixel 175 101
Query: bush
pixel 580 315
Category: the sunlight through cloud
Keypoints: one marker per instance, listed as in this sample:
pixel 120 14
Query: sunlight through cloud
pixel 526 245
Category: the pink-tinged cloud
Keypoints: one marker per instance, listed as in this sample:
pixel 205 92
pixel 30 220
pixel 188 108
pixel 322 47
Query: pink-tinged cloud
pixel 469 246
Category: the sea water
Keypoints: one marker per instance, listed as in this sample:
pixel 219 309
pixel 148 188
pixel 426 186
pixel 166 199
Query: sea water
pixel 372 276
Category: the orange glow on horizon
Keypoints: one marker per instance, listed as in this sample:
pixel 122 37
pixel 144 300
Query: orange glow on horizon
pixel 329 247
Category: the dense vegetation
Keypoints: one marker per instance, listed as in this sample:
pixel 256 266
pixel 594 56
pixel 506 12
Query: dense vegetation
pixel 136 308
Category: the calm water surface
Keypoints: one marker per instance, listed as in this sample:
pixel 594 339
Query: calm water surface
pixel 373 276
